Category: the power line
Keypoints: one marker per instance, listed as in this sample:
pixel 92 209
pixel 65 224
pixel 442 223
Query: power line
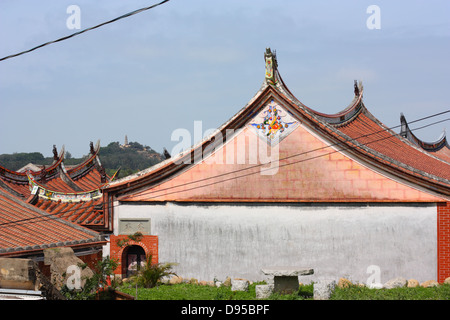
pixel 45 216
pixel 85 30
pixel 287 164
pixel 51 215
pixel 309 151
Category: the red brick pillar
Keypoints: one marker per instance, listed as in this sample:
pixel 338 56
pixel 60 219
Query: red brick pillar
pixel 443 239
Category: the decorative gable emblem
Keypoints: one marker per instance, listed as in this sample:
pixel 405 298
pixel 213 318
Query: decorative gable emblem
pixel 273 123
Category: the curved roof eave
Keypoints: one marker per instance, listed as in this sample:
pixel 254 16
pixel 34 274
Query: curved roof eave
pixel 434 146
pixel 22 176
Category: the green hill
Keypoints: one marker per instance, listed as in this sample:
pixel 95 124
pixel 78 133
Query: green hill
pixel 130 158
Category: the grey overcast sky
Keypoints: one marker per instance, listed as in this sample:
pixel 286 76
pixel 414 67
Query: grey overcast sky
pixel 202 60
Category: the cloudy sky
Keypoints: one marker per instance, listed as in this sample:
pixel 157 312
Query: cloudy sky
pixel 202 60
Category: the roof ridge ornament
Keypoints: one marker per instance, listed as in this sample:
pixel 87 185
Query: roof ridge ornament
pixel 55 153
pixel 271 66
pixel 356 88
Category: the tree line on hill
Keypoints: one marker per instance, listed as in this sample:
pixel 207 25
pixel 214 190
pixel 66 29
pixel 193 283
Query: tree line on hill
pixel 131 158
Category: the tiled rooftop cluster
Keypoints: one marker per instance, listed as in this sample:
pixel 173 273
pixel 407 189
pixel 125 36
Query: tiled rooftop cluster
pixel 52 206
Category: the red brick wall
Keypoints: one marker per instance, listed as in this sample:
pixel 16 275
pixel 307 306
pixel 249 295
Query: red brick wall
pixel 148 243
pixel 92 259
pixel 443 233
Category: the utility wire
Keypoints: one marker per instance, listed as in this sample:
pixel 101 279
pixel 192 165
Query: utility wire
pixel 149 192
pixel 52 215
pixel 85 30
pixel 309 151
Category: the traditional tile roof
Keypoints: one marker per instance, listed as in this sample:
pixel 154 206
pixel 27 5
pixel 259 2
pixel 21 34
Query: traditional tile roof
pixel 73 194
pixel 25 229
pixel 366 130
pixel 84 213
pixel 17 181
pixel 354 132
pixel 364 136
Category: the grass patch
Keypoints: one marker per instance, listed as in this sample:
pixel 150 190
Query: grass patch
pixel 441 292
pixel 186 291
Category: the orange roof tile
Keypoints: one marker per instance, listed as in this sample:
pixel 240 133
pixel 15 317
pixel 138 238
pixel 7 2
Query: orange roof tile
pixel 373 135
pixel 86 213
pixel 25 228
pixel 80 182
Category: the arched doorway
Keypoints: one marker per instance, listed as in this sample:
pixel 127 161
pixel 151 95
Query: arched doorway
pixel 133 258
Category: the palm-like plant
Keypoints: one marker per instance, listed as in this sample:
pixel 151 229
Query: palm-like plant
pixel 150 274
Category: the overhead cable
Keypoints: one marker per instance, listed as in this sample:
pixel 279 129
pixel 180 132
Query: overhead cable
pixel 54 215
pixel 85 30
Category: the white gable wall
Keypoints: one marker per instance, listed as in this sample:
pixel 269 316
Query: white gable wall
pixel 218 240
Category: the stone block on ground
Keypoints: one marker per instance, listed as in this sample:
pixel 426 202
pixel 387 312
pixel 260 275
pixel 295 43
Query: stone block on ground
pixel 323 289
pixel 239 285
pixel 412 283
pixel 176 280
pixel 263 291
pixel 396 283
pixel 429 284
pixel 227 282
pixel 344 283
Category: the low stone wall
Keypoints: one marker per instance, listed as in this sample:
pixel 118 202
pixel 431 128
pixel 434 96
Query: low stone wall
pixel 24 274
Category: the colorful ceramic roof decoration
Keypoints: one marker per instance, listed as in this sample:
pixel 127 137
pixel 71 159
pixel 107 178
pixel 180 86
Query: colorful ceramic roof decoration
pixel 273 123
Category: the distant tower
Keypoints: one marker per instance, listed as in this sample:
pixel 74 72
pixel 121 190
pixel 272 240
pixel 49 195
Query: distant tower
pixel 126 141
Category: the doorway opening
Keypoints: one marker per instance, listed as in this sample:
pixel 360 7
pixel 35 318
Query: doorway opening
pixel 133 259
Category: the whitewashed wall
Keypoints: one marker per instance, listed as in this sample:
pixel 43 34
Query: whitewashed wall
pixel 216 241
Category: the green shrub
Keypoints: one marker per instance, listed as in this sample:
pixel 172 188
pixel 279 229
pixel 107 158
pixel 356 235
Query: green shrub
pixel 95 285
pixel 151 274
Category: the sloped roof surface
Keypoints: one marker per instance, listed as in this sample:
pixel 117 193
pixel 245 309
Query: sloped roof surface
pixel 72 194
pixel 26 228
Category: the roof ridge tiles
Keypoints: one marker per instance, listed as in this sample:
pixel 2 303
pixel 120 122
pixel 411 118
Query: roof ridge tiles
pixel 433 146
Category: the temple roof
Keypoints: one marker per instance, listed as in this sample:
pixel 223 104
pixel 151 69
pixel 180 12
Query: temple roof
pixel 354 132
pixel 56 188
